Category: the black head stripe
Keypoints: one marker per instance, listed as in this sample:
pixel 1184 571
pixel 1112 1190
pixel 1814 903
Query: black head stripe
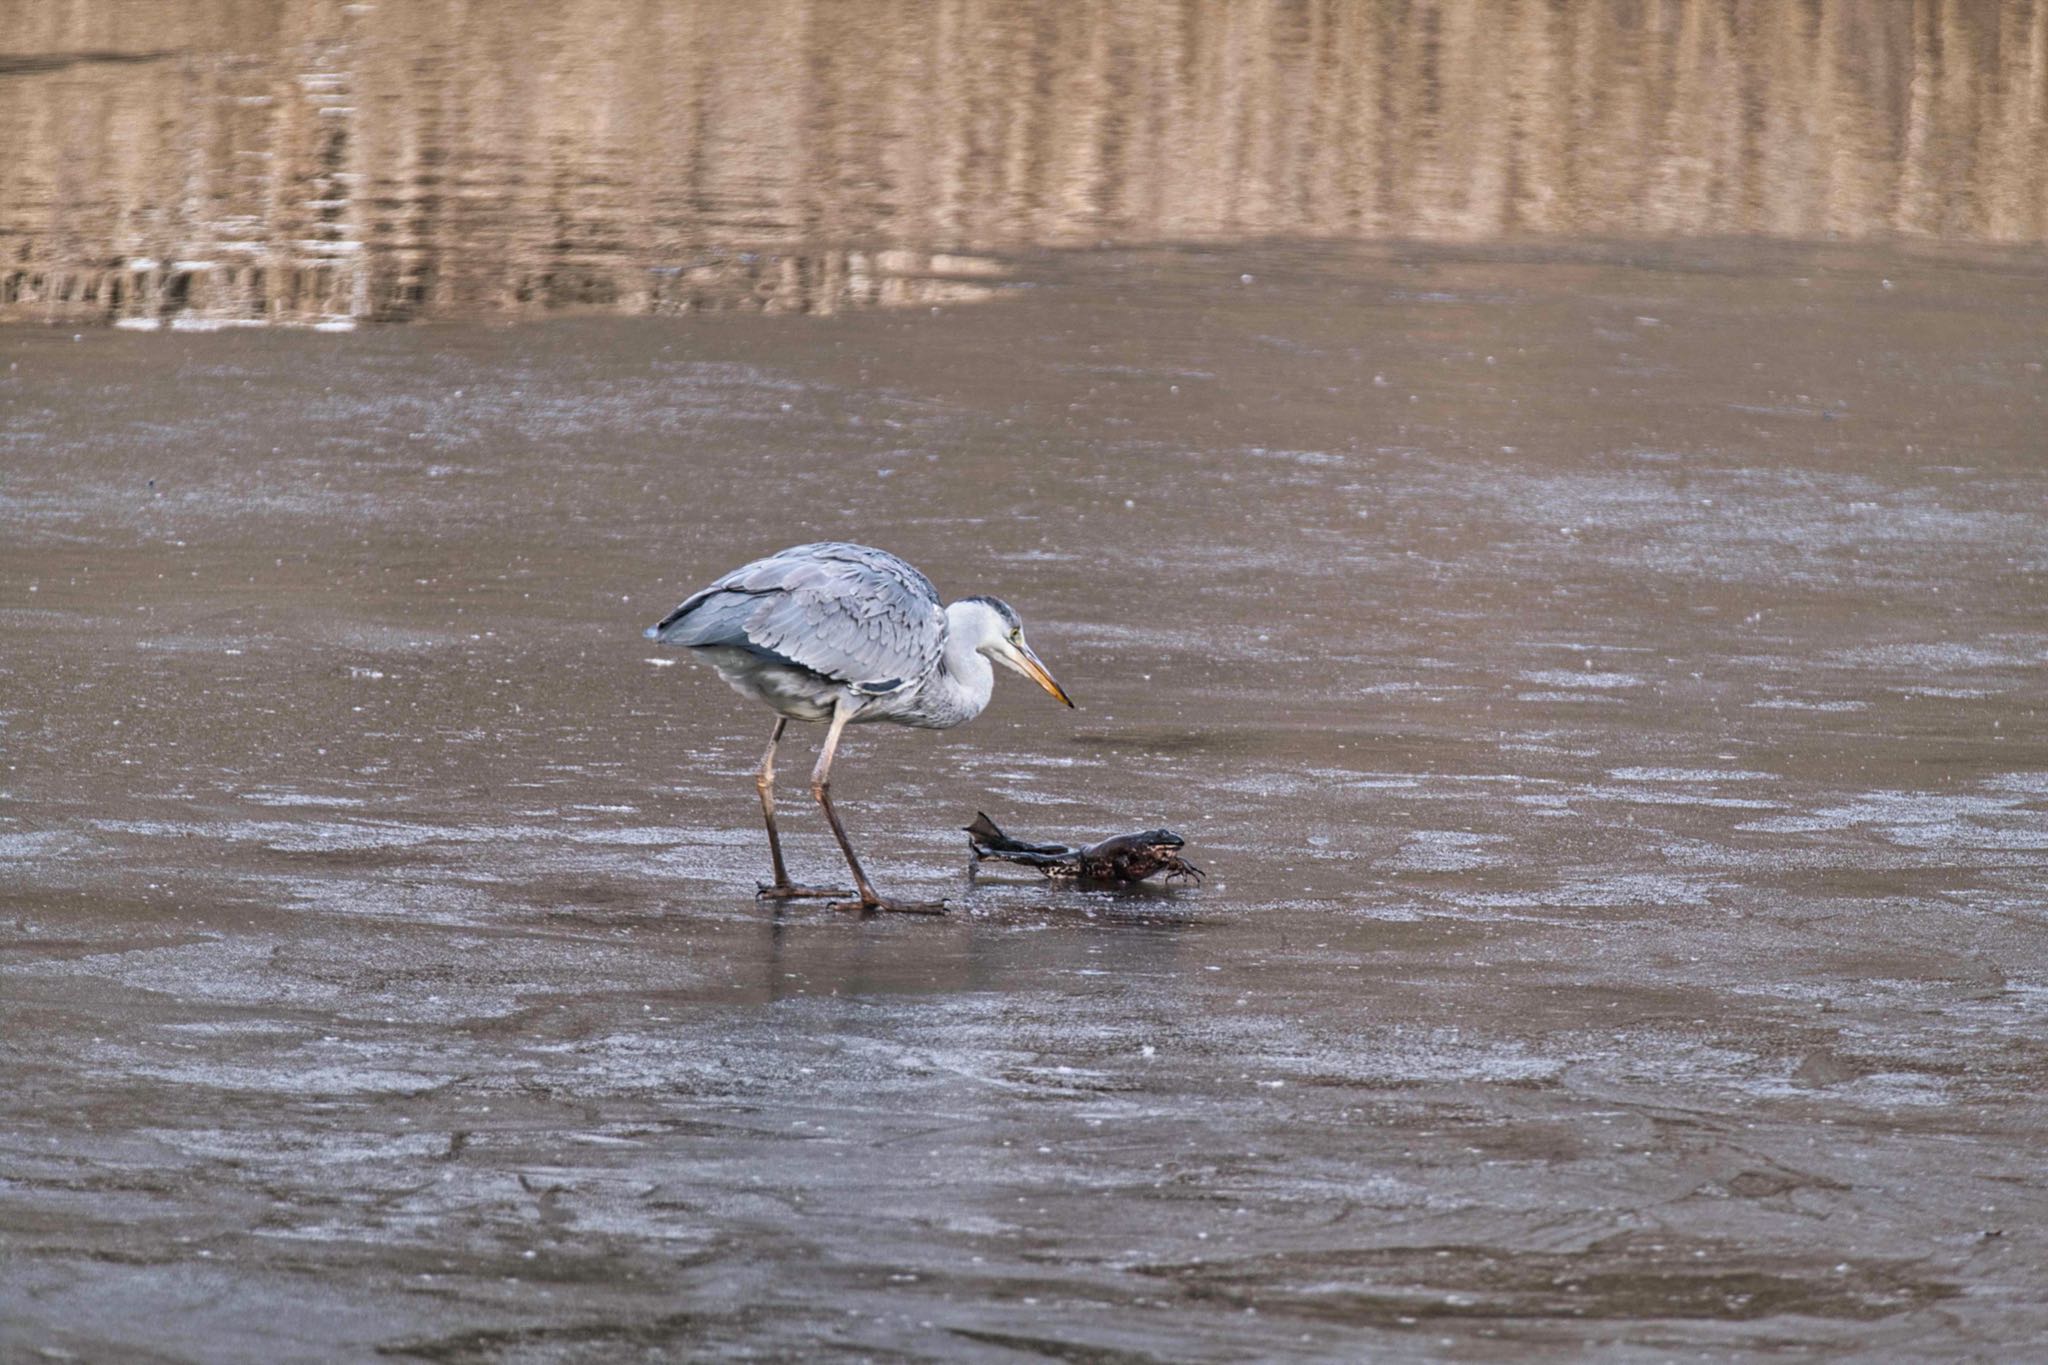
pixel 1002 609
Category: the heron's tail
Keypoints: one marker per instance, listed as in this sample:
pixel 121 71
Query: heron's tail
pixel 677 629
pixel 715 616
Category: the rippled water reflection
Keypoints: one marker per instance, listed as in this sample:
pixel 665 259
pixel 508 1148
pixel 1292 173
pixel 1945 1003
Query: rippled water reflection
pixel 325 162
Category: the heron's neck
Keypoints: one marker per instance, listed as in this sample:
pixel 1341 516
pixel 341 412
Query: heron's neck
pixel 962 687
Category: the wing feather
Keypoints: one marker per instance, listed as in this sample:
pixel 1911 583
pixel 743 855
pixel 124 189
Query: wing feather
pixel 850 613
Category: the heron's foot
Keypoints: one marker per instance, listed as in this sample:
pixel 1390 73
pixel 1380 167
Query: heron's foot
pixel 871 905
pixel 794 891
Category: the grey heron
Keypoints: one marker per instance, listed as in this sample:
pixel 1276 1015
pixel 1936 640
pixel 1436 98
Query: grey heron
pixel 849 635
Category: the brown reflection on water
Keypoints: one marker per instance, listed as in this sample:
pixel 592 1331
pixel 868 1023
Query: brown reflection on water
pixel 318 161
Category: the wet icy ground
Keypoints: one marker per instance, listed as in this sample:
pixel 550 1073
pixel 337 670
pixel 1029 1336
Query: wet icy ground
pixel 1604 685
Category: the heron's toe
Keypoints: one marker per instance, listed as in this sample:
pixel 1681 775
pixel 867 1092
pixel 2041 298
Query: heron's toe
pixel 879 906
pixel 793 891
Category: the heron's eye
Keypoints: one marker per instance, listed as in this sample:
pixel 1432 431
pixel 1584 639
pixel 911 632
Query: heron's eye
pixel 1017 636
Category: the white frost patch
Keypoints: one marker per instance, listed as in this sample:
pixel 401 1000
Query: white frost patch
pixel 1654 796
pixel 1936 656
pixel 1385 782
pixel 1619 891
pixel 289 798
pixel 33 844
pixel 1879 1090
pixel 632 837
pixel 1801 704
pixel 1688 775
pixel 334 836
pixel 1565 677
pixel 1584 698
pixel 660 663
pixel 261 1148
pixel 293 1080
pixel 1923 820
pixel 1787 824
pixel 1264 784
pixel 1319 458
pixel 1426 1055
pixel 1443 850
pixel 1633 889
pixel 1961 834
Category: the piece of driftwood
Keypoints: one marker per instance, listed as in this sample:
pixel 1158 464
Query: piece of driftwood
pixel 1125 858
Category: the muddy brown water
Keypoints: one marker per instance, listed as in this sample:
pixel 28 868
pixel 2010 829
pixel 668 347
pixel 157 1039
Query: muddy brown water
pixel 1604 685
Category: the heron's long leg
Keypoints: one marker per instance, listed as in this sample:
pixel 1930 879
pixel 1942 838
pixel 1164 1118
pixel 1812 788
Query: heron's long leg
pixel 764 782
pixel 821 787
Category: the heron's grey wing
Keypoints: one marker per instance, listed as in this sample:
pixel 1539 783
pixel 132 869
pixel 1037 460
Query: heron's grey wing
pixel 853 614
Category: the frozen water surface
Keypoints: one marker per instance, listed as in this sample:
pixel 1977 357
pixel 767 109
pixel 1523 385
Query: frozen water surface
pixel 1625 930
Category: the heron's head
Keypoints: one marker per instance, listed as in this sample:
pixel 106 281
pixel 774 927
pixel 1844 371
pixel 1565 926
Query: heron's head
pixel 997 633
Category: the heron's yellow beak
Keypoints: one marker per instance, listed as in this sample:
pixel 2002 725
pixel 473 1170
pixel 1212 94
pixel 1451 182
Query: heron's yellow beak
pixel 1026 662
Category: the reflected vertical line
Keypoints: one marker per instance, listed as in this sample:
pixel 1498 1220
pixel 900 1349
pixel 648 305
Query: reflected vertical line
pixel 1913 183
